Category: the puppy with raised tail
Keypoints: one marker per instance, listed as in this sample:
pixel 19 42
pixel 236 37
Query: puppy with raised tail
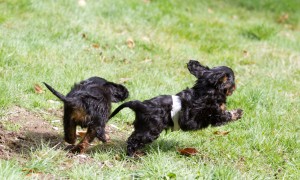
pixel 88 105
pixel 191 109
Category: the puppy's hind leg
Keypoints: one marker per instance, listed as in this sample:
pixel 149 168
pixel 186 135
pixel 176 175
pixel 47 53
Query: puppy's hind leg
pixel 84 143
pixel 138 140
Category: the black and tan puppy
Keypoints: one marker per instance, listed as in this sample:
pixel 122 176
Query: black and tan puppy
pixel 190 109
pixel 88 105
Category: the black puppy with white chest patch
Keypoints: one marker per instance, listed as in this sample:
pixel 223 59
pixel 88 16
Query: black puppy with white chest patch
pixel 190 109
pixel 88 105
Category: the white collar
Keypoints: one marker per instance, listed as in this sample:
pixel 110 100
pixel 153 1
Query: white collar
pixel 176 108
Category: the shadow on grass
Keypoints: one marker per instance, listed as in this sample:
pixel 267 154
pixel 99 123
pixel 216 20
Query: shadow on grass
pixel 118 146
pixel 19 145
pixel 115 145
pixel 163 145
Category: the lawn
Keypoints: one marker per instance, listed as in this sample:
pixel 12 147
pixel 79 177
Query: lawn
pixel 146 44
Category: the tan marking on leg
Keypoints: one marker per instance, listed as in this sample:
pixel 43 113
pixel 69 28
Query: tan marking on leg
pixel 85 142
pixel 223 107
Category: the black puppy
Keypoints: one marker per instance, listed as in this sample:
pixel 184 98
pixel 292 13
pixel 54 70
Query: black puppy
pixel 88 105
pixel 191 109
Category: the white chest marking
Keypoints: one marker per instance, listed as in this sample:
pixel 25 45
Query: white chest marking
pixel 176 108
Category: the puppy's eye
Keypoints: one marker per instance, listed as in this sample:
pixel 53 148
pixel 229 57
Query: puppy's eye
pixel 224 79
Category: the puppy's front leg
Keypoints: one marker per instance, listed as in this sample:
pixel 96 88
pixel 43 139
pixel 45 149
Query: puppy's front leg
pixel 187 120
pixel 101 134
pixel 69 130
pixel 139 138
pixel 227 116
pixel 236 114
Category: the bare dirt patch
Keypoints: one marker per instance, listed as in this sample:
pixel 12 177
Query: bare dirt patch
pixel 22 130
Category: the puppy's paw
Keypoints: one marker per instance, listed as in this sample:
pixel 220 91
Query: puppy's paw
pixel 136 155
pixel 236 114
pixel 139 154
pixel 131 151
pixel 69 147
pixel 78 149
pixel 105 138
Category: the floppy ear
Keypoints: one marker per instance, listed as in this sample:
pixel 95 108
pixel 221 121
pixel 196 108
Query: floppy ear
pixel 118 92
pixel 196 68
pixel 217 78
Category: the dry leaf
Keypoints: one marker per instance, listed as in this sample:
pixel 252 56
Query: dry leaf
pixel 188 151
pixel 221 133
pixel 124 80
pixel 80 134
pixel 130 43
pixel 283 18
pixel 33 174
pixel 38 89
pixel 30 171
pixel 246 53
pixel 96 46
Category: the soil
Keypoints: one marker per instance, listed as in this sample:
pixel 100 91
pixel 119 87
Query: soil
pixel 32 129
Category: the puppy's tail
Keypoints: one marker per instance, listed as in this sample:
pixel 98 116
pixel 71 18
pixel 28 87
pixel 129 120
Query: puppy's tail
pixel 56 93
pixel 134 105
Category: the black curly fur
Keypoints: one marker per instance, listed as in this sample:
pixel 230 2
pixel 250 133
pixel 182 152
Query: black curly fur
pixel 88 105
pixel 202 105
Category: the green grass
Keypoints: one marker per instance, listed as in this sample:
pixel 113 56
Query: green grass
pixel 61 43
pixel 10 170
